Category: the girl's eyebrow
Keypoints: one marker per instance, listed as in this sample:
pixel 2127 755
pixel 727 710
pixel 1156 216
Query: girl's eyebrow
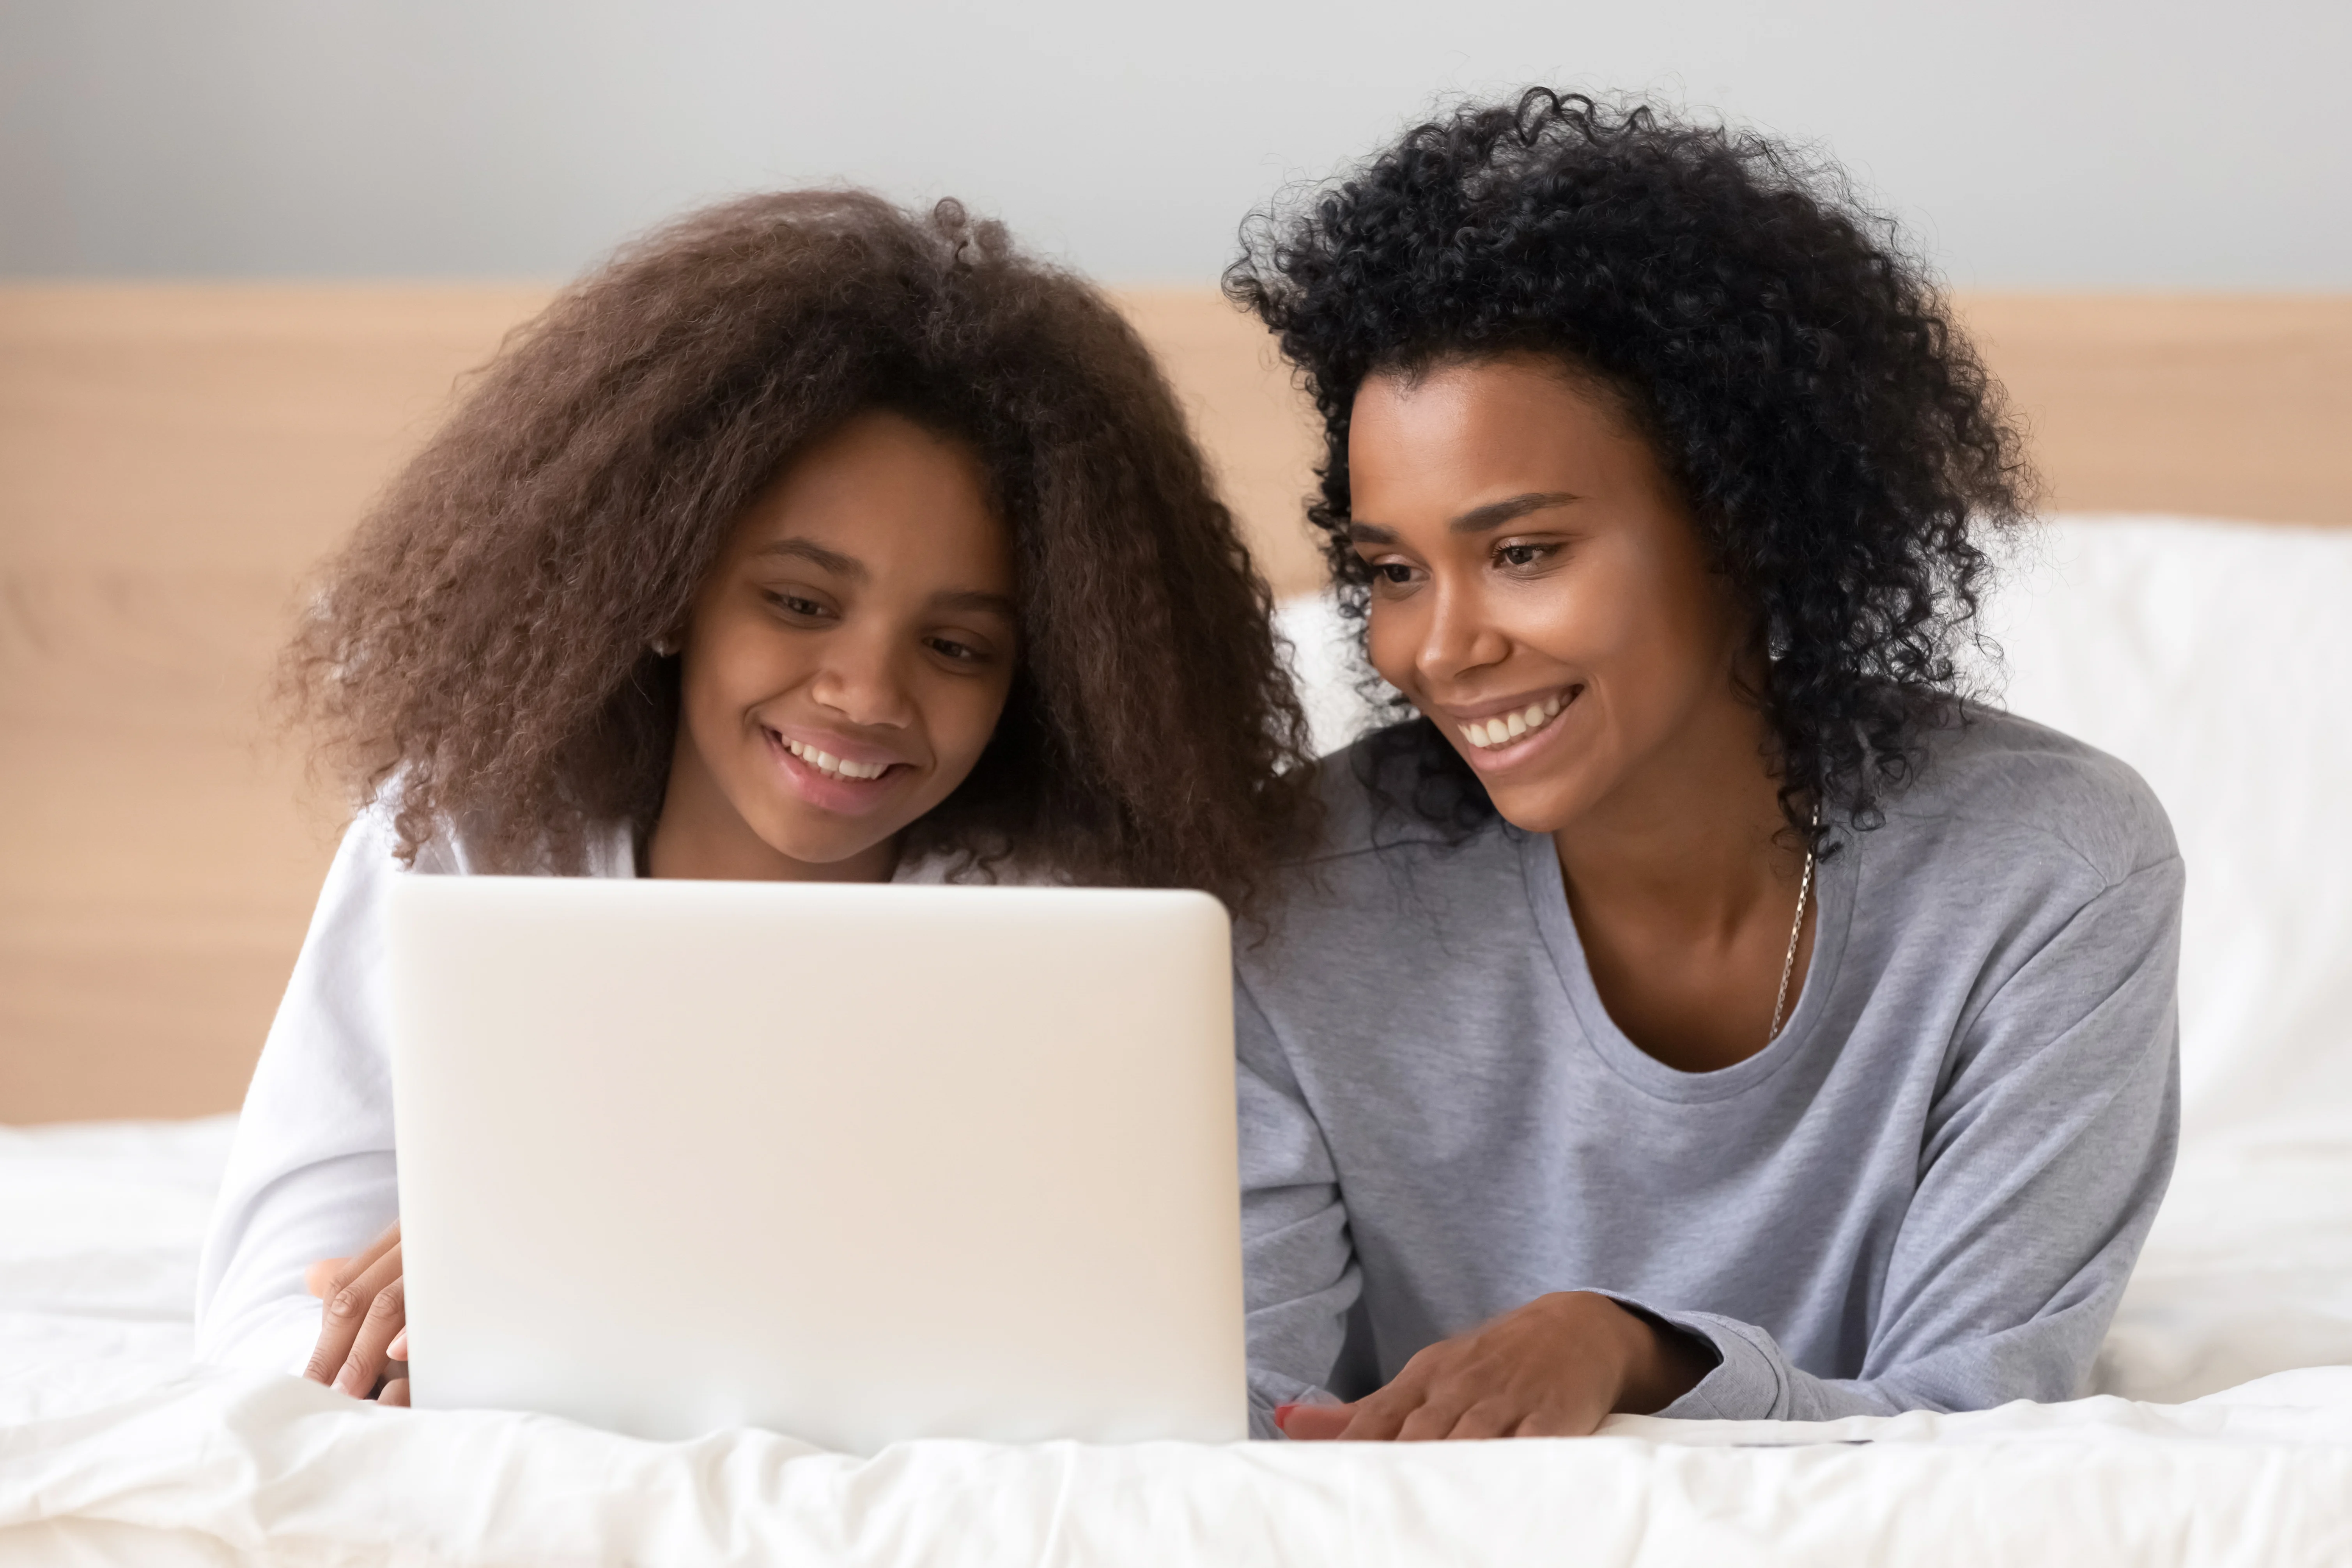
pixel 832 561
pixel 977 599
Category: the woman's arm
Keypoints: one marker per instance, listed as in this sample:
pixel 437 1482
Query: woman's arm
pixel 2046 1155
pixel 311 1172
pixel 1297 1257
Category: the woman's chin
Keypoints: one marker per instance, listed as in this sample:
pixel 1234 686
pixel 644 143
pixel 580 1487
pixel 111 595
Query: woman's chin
pixel 1541 803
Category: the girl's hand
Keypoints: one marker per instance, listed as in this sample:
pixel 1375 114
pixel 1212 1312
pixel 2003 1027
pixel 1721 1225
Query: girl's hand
pixel 1552 1368
pixel 364 1328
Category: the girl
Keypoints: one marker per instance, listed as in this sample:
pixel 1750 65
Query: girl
pixel 1697 1008
pixel 809 540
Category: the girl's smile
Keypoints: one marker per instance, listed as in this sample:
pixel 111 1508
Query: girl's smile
pixel 846 662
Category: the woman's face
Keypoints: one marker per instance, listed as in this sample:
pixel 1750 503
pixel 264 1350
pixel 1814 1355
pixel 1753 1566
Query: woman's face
pixel 847 658
pixel 1538 588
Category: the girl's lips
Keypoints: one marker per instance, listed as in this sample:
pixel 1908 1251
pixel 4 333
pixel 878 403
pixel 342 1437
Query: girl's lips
pixel 829 789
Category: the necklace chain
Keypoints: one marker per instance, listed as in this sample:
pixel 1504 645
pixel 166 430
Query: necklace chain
pixel 1796 934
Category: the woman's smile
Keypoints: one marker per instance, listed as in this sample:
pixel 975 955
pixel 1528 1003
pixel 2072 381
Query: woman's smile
pixel 1503 734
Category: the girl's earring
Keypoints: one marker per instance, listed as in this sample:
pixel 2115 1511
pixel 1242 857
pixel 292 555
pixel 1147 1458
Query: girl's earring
pixel 663 648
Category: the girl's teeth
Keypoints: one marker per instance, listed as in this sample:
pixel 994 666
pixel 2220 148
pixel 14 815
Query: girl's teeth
pixel 839 767
pixel 1511 726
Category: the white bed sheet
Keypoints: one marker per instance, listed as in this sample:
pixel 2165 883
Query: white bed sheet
pixel 115 1449
pixel 2184 648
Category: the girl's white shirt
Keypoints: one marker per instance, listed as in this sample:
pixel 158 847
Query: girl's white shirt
pixel 311 1172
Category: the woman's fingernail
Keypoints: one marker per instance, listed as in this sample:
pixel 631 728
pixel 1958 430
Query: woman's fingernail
pixel 1281 1413
pixel 399 1351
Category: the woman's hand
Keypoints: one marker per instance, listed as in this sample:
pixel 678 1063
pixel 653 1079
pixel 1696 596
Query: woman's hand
pixel 364 1328
pixel 1552 1368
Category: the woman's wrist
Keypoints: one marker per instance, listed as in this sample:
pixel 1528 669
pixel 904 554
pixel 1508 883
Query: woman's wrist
pixel 1657 1364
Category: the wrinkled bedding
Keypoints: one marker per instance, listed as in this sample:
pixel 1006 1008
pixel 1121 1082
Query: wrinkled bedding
pixel 2222 1434
pixel 113 1449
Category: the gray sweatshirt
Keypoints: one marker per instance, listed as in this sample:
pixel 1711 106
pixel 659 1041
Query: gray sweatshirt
pixel 1926 1193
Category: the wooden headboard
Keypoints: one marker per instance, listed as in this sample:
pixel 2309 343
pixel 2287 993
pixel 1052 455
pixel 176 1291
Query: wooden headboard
pixel 174 458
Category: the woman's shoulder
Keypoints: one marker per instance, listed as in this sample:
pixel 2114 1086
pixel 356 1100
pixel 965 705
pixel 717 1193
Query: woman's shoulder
pixel 1991 769
pixel 1390 794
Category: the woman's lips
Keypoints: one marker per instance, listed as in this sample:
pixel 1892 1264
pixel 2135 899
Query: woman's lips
pixel 1500 738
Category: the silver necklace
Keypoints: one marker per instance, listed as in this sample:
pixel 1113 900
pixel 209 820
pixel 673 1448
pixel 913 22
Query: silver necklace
pixel 1796 931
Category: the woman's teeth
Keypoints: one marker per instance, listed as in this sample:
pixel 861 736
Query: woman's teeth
pixel 837 767
pixel 1511 726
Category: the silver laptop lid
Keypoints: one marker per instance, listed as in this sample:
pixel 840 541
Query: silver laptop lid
pixel 856 1164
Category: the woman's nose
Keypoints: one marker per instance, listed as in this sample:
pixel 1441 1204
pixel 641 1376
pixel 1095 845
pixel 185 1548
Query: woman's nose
pixel 1458 638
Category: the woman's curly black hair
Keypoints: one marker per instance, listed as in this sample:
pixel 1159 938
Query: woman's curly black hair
pixel 1800 378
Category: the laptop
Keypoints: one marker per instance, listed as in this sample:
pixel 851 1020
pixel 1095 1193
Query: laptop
pixel 854 1164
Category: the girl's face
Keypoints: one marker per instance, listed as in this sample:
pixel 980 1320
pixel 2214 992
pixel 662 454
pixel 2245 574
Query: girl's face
pixel 1538 590
pixel 846 662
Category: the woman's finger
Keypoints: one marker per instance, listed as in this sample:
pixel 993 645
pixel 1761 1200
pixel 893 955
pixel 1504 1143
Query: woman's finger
pixel 1433 1419
pixel 345 1313
pixel 395 1392
pixel 1488 1418
pixel 1380 1415
pixel 324 1277
pixel 1313 1423
pixel 370 1347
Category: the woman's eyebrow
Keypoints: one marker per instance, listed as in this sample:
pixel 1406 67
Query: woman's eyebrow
pixel 1494 514
pixel 833 560
pixel 1477 520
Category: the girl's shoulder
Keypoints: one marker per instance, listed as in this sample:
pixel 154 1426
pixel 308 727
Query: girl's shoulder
pixel 372 845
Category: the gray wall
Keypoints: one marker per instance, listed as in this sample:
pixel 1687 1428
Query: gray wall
pixel 2074 143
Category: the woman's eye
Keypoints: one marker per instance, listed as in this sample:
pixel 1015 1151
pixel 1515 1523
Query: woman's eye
pixel 1392 572
pixel 1520 554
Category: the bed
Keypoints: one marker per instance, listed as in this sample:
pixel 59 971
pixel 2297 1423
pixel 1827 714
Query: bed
pixel 2219 1429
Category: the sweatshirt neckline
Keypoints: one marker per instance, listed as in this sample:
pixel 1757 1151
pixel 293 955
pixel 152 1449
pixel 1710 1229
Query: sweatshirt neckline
pixel 1834 880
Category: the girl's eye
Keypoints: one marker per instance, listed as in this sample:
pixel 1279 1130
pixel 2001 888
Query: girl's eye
pixel 963 653
pixel 1392 572
pixel 1520 554
pixel 794 604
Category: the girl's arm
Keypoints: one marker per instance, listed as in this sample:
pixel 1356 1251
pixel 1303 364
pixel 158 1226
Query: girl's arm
pixel 310 1173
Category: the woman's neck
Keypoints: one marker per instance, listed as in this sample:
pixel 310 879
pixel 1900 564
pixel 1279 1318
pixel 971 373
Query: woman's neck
pixel 700 834
pixel 1684 893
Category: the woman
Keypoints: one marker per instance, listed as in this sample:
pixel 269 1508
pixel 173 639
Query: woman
pixel 808 540
pixel 1698 1008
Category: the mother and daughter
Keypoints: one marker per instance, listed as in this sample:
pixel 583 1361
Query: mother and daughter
pixel 1688 1004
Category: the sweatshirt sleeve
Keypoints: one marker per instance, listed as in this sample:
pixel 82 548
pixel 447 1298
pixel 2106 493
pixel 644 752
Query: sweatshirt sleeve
pixel 2045 1156
pixel 310 1172
pixel 1296 1256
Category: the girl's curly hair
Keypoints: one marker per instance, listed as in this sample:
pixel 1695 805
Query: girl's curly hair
pixel 1801 380
pixel 480 651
